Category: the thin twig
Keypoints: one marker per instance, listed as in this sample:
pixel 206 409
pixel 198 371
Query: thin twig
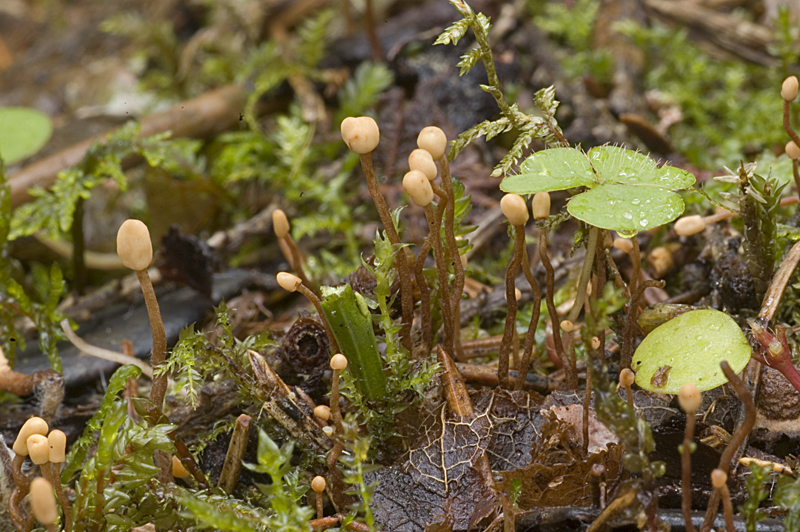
pixel 100 352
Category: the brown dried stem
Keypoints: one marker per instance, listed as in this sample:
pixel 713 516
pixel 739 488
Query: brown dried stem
pixel 432 241
pixel 780 280
pixel 571 376
pixel 452 246
pixel 530 336
pixel 737 439
pixel 511 301
pixel 401 262
pixel 233 458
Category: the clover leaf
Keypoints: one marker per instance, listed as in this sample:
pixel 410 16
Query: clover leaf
pixel 627 192
pixel 688 349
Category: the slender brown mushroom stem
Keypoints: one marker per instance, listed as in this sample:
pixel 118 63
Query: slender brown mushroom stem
pixel 401 262
pixel 530 336
pixel 599 287
pixel 338 363
pixel 511 301
pixel 737 439
pixel 318 486
pixel 787 122
pixel 719 480
pixel 690 399
pixel 157 357
pixel 434 219
pixel 629 330
pixel 571 378
pixel 21 487
pixel 289 249
pixel 458 268
pixel 311 296
pixel 636 262
pixel 587 401
pixel 372 33
pixel 442 260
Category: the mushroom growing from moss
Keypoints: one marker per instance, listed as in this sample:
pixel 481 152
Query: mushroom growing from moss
pixel 135 250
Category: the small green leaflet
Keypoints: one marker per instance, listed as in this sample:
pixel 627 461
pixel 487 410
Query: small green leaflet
pixel 689 349
pixel 627 192
pixel 23 132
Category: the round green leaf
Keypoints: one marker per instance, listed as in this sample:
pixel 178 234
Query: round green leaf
pixel 688 349
pixel 23 132
pixel 618 165
pixel 626 209
pixel 549 170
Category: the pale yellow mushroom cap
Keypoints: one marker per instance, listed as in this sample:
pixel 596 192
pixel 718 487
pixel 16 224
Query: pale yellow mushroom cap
pixel 421 160
pixel 34 425
pixel 178 470
pixel 432 140
pixel 626 377
pixel 38 449
pixel 361 134
pixel 623 244
pixel 417 186
pixel 690 225
pixel 289 281
pixel 318 484
pixel 689 397
pixel 133 245
pixel 541 206
pixel 43 502
pixel 792 150
pixel 57 442
pixel 595 342
pixel 323 412
pixel 515 209
pixel 567 326
pixel 718 478
pixel 338 362
pixel 789 88
pixel 280 223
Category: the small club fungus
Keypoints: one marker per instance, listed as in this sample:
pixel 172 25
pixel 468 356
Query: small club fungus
pixel 689 349
pixel 43 503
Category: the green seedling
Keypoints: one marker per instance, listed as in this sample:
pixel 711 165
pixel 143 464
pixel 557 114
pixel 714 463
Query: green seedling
pixel 627 192
pixel 23 132
pixel 689 349
pixel 351 324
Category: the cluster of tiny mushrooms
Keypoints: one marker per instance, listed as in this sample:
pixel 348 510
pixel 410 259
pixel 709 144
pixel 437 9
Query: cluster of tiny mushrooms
pixel 362 135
